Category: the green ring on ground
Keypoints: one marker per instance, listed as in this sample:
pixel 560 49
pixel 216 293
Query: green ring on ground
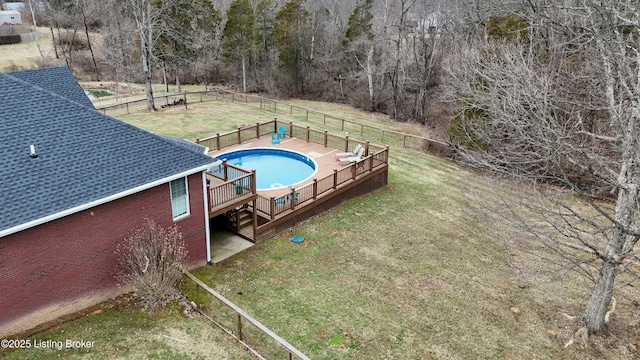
pixel 297 238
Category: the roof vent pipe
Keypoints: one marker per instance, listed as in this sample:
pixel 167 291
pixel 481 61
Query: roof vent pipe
pixel 33 153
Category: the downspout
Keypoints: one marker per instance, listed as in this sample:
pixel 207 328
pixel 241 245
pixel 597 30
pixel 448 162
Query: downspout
pixel 206 216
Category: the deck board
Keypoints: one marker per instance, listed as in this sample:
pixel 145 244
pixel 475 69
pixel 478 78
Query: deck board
pixel 324 157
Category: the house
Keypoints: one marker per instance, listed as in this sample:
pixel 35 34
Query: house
pixel 73 183
pixel 10 17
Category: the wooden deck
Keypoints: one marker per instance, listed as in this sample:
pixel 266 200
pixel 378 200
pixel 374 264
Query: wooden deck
pixel 324 157
pixel 257 214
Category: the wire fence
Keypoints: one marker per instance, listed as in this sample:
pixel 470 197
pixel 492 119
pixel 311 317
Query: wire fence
pixel 293 112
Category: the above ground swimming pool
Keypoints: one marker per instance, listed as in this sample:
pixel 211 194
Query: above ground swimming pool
pixel 275 168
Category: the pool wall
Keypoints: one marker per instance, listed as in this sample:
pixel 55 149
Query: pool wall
pixel 298 156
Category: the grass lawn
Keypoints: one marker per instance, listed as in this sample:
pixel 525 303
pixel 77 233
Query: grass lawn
pixel 406 272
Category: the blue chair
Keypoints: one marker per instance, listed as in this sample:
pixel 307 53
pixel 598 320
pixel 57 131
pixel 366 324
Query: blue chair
pixel 295 197
pixel 282 132
pixel 275 139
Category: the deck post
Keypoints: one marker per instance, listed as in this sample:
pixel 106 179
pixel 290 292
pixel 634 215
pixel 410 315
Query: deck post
pixel 239 327
pixel 366 148
pixel 315 188
pixel 253 182
pixel 346 143
pixel 257 130
pixel 209 198
pixel 290 128
pixel 335 178
pixel 326 138
pixel 292 197
pixel 224 166
pixel 218 141
pixel 308 133
pixel 354 167
pixel 255 219
pixel 239 138
pixel 272 205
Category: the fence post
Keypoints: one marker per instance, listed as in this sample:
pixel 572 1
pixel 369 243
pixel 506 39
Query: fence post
pixel 239 326
pixel 307 116
pixel 275 107
pixel 127 108
pixel 185 100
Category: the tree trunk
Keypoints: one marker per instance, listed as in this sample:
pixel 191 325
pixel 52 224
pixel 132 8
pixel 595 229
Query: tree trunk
pixel 178 85
pixel 244 75
pixel 53 40
pixel 35 29
pixel 594 314
pixel 146 29
pixel 86 32
pixel 370 78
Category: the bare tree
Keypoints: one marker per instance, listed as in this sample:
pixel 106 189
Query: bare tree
pixel 147 16
pixel 560 105
pixel 150 259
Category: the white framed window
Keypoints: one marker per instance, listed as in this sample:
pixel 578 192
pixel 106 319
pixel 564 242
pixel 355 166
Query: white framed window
pixel 179 198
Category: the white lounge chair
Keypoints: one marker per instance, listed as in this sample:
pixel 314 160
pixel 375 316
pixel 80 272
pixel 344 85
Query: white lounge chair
pixel 349 153
pixel 355 158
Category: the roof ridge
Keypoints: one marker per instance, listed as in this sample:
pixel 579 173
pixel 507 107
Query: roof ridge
pixel 39 88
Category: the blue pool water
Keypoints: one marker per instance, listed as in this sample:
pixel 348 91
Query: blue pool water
pixel 275 168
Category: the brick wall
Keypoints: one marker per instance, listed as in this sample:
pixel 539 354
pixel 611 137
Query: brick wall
pixel 71 258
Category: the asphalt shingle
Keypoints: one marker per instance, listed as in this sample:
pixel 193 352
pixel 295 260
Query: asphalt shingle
pixel 83 155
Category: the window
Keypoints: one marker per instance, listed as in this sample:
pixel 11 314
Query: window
pixel 179 198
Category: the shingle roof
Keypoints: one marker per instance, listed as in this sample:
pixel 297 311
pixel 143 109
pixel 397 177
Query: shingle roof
pixel 197 148
pixel 58 80
pixel 83 155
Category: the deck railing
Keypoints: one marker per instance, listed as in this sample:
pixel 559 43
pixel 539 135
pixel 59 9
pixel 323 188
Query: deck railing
pixel 238 182
pixel 236 187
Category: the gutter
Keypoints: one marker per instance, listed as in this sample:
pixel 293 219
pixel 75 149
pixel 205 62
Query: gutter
pixel 101 201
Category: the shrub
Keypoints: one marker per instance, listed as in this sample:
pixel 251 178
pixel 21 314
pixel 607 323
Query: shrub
pixel 150 259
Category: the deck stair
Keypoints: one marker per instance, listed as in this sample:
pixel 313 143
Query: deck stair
pixel 241 221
